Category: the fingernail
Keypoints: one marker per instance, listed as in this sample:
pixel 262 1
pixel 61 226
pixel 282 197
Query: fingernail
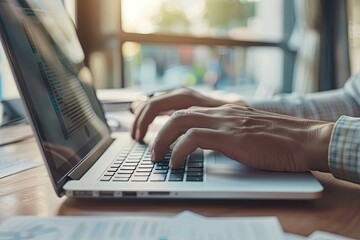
pixel 153 155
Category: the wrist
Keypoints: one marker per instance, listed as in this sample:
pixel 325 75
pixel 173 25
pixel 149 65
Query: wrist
pixel 319 159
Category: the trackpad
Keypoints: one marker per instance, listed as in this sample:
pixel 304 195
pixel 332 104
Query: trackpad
pixel 219 160
pixel 222 159
pixel 221 166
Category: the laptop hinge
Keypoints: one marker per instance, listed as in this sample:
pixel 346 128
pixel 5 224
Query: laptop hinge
pixel 89 160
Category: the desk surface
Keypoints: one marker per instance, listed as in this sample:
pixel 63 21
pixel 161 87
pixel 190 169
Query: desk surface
pixel 31 193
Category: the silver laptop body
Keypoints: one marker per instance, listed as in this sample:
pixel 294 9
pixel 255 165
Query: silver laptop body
pixel 82 157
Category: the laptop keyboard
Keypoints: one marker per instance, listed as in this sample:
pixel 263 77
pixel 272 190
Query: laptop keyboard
pixel 134 164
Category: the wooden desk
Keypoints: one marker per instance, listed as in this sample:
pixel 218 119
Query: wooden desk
pixel 31 193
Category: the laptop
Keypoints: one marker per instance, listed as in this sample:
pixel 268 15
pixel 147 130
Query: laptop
pixel 83 158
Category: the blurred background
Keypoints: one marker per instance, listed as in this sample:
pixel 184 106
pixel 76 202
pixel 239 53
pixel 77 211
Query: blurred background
pixel 252 47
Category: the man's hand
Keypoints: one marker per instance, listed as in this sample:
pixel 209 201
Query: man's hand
pixel 165 104
pixel 256 138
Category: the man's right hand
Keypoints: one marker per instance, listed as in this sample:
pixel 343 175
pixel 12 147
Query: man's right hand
pixel 167 103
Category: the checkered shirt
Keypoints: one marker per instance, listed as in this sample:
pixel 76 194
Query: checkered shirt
pixel 334 106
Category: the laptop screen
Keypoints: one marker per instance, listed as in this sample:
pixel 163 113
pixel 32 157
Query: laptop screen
pixel 47 61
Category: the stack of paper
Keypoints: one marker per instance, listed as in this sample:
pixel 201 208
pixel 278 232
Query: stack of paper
pixel 184 226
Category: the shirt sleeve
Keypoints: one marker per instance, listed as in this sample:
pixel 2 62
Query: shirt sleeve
pixel 327 106
pixel 344 149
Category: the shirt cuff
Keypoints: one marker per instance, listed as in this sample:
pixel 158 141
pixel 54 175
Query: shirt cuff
pixel 344 149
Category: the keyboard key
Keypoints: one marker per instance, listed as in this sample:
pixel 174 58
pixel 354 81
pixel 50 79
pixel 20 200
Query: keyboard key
pixel 161 167
pixel 163 163
pixel 135 155
pixel 196 161
pixel 194 179
pixel 109 174
pixel 195 174
pixel 160 171
pixel 121 179
pixel 127 164
pixel 145 167
pixel 123 154
pixel 190 169
pixel 127 168
pixel 137 158
pixel 146 160
pixel 125 171
pixel 178 171
pixel 105 178
pixel 123 175
pixel 176 177
pixel 142 164
pixel 112 170
pixel 195 165
pixel 197 156
pixel 157 177
pixel 141 173
pixel 132 160
pixel 139 178
pixel 144 170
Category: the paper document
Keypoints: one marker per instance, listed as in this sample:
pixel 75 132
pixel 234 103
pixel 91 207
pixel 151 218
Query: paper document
pixel 9 166
pixel 13 134
pixel 320 235
pixel 181 227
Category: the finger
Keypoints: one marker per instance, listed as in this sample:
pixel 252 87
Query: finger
pixel 155 107
pixel 179 123
pixel 196 138
pixel 137 107
pixel 137 115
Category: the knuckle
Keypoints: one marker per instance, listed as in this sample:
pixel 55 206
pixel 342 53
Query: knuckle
pixel 244 121
pixel 192 133
pixel 250 109
pixel 230 105
pixel 234 109
pixel 184 91
pixel 179 114
pixel 152 104
pixel 195 108
pixel 248 121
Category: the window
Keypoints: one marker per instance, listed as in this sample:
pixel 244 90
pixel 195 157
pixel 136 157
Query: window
pixel 228 44
pixel 354 34
pixel 236 19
